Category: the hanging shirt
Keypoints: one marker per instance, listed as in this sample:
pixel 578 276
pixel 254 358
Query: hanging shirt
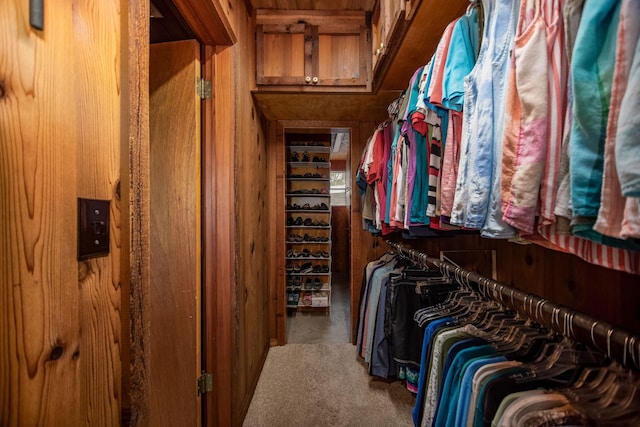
pixel 526 120
pixel 474 177
pixel 502 28
pixel 618 216
pixel 465 44
pixel 628 146
pixel 592 72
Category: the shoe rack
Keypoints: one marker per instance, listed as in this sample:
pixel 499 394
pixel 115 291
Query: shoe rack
pixel 308 233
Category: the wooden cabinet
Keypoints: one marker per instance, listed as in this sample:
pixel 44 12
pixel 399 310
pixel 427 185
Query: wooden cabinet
pixel 386 21
pixel 312 51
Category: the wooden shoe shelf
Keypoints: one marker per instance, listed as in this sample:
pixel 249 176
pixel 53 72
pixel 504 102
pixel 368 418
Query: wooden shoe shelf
pixel 308 229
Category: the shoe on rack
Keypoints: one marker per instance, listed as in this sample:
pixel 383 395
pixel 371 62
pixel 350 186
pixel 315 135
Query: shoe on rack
pixel 308 222
pixel 294 157
pixel 298 221
pixel 307 267
pixel 324 207
pixel 289 221
pixel 294 238
pixel 323 223
pixel 308 284
pixel 317 284
pixel 305 157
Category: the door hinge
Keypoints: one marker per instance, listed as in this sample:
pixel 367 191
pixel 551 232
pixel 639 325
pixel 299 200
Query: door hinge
pixel 205 383
pixel 203 88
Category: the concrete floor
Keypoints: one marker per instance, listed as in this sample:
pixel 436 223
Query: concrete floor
pixel 322 327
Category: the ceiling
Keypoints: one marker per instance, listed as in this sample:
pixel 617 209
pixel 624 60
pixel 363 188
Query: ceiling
pixel 366 5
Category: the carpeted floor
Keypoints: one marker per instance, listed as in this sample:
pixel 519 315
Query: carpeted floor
pixel 325 385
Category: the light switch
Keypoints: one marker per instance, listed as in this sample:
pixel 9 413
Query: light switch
pixel 93 228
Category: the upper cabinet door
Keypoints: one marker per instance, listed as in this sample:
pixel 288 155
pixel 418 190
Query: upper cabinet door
pixel 280 54
pixel 342 56
pixel 312 51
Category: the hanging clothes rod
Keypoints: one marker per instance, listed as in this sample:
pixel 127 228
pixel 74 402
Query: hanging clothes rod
pixel 616 343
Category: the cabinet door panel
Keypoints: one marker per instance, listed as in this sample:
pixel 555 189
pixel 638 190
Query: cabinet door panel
pixel 281 54
pixel 341 56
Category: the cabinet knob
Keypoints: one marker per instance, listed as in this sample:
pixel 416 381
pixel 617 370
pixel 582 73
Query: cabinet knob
pixel 315 80
pixel 307 79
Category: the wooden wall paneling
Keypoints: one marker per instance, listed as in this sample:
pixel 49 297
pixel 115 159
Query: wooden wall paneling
pixel 134 187
pixel 225 275
pixel 59 321
pixel 251 224
pixel 275 177
pixel 40 321
pixel 628 301
pixel 278 146
pixel 339 242
pixel 98 168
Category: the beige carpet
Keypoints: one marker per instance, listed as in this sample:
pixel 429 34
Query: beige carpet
pixel 325 385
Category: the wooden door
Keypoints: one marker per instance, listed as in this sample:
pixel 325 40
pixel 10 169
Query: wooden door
pixel 174 129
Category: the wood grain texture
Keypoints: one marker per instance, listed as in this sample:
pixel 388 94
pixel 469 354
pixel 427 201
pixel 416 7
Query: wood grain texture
pixel 310 4
pixel 176 235
pixel 209 261
pixel 209 20
pixel 225 233
pixel 252 227
pixel 59 319
pixel 135 185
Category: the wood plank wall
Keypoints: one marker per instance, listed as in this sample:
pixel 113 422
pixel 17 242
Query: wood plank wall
pixel 252 224
pixel 60 118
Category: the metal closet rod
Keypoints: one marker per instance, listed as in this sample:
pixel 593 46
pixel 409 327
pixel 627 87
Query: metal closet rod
pixel 616 343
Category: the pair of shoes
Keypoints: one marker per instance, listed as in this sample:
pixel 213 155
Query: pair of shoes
pixel 306 268
pixel 293 254
pixel 308 285
pixel 319 159
pixel 293 298
pixel 294 238
pixel 305 157
pixel 317 284
pixel 291 221
pixel 294 157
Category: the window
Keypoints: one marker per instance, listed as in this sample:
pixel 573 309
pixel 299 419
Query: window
pixel 338 188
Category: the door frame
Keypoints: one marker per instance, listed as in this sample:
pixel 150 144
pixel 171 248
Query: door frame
pixel 213 30
pixel 277 173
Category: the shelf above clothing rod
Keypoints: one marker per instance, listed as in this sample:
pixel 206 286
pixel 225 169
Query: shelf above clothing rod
pixel 616 343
